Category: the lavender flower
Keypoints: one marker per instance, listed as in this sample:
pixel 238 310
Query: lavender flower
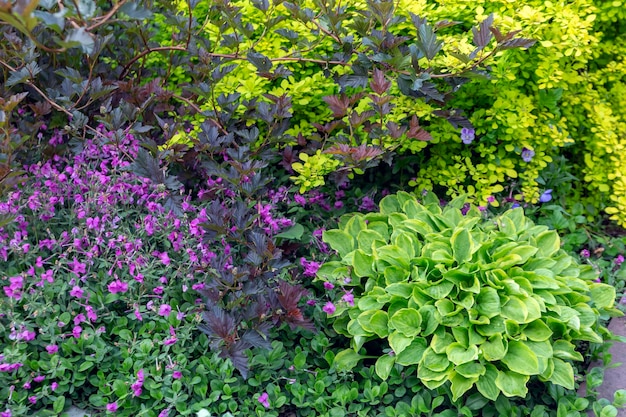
pixel 527 154
pixel 467 135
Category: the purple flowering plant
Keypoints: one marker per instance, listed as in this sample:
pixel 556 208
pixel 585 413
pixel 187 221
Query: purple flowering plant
pixel 102 284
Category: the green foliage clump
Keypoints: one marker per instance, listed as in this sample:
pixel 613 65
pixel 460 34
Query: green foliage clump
pixel 477 303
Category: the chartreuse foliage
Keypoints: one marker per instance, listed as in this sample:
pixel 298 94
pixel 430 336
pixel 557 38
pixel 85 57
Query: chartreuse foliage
pixel 562 97
pixel 477 303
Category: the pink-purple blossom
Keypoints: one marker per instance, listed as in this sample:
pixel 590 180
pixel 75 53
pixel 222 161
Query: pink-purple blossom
pixel 329 308
pixel 117 286
pixel 264 400
pixel 52 349
pixel 165 310
pixel 112 407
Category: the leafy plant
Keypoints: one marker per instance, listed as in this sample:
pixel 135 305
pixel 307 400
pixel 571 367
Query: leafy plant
pixel 473 302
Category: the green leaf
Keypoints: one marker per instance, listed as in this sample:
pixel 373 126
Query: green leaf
pixel 515 309
pixel 339 240
pixel 374 321
pixel 399 342
pixel 521 359
pixel 488 302
pixel 413 353
pixel 401 289
pixel 383 366
pixel 458 354
pixel 394 274
pixel 471 369
pixel 537 331
pixel 460 385
pixel 434 361
pixel 295 232
pixel 563 374
pixel 363 263
pixel 566 350
pixel 494 348
pixel 389 204
pixel 548 243
pixel 603 295
pixel 512 384
pixel 346 360
pixel 462 246
pixel 407 321
pixel 486 384
pixel 366 238
pixel 59 405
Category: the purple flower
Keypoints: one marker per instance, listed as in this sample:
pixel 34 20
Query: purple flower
pixel 54 386
pixel 165 310
pixel 619 259
pixel 585 253
pixel 117 286
pixel 367 204
pixel 10 367
pixel 112 407
pixel 348 298
pixel 546 196
pixel 39 378
pixel 32 399
pixel 52 349
pixel 76 291
pixel 329 308
pixel 310 267
pixel 264 400
pixel 467 135
pixel 299 199
pixel 6 413
pixel 177 375
pixel 164 413
pixel 328 285
pixel 76 331
pixel 527 154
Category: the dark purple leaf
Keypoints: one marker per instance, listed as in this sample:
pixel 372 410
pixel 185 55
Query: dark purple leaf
pixel 379 83
pixel 482 34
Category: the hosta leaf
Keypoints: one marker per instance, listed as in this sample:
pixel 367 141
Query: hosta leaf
pixel 462 245
pixel 435 361
pixel 407 321
pixel 374 321
pixel 515 309
pixel 537 330
pixel 363 264
pixel 488 302
pixel 471 369
pixel 458 354
pixel 460 384
pixel 394 274
pixel 512 384
pixel 494 349
pixel 563 374
pixel 339 240
pixel 603 295
pixel 521 359
pixel 413 353
pixel 399 342
pixel 486 384
pixel 366 237
pixel 346 360
pixel 566 350
pixel 401 289
pixel 548 243
pixel 383 366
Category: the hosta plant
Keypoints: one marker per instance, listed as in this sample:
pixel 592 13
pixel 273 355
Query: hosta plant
pixel 475 303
